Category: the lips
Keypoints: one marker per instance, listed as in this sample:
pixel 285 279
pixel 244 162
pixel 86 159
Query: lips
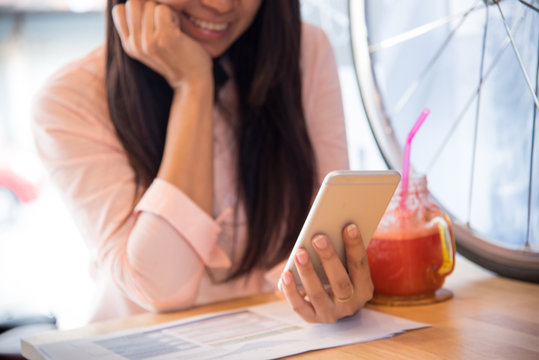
pixel 208 25
pixel 214 33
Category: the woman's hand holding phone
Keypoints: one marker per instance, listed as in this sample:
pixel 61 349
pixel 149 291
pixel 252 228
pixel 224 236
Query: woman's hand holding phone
pixel 327 275
pixel 349 290
pixel 150 33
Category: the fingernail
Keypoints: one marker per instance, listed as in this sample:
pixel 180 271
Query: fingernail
pixel 286 278
pixel 352 230
pixel 320 242
pixel 302 257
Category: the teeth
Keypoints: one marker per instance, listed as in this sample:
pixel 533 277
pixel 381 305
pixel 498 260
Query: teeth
pixel 208 25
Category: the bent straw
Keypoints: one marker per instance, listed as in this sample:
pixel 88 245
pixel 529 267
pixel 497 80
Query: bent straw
pixel 406 156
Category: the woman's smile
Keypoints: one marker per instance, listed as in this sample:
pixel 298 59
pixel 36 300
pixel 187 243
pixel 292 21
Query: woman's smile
pixel 208 25
pixel 213 35
pixel 215 25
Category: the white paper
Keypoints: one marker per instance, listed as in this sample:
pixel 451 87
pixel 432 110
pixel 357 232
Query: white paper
pixel 262 332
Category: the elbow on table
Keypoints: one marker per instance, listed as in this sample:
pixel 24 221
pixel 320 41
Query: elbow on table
pixel 166 306
pixel 167 301
pixel 158 283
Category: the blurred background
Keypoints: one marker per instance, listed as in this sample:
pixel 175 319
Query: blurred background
pixel 43 260
pixel 42 257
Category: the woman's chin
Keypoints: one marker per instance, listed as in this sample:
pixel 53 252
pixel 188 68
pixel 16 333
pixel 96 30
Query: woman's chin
pixel 213 52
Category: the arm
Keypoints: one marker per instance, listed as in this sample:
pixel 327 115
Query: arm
pixel 150 33
pixel 157 252
pixel 188 155
pixel 323 108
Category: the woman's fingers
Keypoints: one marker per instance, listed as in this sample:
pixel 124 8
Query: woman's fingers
pixel 302 307
pixel 127 21
pixel 135 23
pixel 350 289
pixel 148 28
pixel 314 289
pixel 356 255
pixel 357 263
pixel 120 22
pixel 133 12
pixel 340 282
pixel 165 18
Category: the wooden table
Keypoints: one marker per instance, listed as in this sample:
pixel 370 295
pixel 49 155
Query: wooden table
pixel 489 318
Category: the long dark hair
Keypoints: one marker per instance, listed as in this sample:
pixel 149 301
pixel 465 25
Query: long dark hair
pixel 276 166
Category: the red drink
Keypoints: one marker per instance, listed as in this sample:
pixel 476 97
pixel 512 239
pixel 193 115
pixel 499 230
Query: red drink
pixel 412 250
pixel 406 264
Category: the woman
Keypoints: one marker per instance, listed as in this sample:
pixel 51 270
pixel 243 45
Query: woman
pixel 189 151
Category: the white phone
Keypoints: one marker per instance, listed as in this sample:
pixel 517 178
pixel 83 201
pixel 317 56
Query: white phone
pixel 345 197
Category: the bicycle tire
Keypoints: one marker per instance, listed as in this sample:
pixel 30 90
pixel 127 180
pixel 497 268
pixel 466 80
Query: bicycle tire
pixel 512 262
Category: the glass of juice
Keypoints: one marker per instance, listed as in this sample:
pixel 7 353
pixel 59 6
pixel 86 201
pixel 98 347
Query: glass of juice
pixel 412 250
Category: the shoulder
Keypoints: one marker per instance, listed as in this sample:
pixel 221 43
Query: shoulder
pixel 312 33
pixel 314 42
pixel 318 65
pixel 70 113
pixel 317 59
pixel 86 71
pixel 77 88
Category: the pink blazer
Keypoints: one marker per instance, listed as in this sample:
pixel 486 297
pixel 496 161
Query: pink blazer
pixel 157 255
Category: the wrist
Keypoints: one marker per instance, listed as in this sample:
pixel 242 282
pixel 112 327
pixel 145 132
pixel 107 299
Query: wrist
pixel 194 82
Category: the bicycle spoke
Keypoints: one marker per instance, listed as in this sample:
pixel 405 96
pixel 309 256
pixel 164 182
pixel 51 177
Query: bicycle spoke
pixel 421 30
pixel 476 126
pixel 473 96
pixel 413 87
pixel 529 5
pixel 517 53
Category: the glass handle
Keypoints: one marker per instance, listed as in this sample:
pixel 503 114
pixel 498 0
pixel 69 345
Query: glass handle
pixel 448 244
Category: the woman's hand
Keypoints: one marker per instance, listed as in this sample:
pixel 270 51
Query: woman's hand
pixel 150 33
pixel 350 290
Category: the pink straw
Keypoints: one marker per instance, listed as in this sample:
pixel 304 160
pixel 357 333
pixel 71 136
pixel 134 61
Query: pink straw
pixel 406 156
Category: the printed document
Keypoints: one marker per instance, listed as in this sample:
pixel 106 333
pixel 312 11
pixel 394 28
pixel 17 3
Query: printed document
pixel 261 332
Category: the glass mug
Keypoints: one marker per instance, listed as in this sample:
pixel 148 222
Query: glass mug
pixel 412 250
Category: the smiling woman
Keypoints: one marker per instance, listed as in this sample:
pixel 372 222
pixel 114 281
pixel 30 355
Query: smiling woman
pixel 189 148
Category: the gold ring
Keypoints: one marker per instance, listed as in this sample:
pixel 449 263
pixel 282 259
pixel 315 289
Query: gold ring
pixel 346 299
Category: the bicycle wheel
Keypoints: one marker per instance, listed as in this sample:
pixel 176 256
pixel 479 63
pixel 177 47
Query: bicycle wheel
pixel 475 65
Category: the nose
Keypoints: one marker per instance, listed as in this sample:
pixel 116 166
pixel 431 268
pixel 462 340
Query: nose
pixel 219 5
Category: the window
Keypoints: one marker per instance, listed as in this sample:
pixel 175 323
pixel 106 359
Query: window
pixel 42 256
